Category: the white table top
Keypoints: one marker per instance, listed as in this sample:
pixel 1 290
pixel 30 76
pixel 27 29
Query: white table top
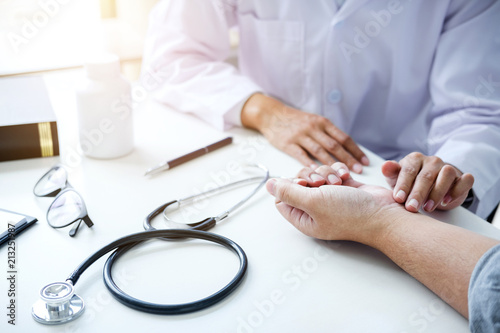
pixel 293 284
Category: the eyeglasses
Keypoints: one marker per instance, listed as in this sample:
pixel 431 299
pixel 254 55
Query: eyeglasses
pixel 68 206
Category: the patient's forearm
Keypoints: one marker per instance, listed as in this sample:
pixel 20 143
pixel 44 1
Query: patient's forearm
pixel 439 255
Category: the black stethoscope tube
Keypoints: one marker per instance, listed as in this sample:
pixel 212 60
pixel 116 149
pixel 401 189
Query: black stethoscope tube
pixel 124 244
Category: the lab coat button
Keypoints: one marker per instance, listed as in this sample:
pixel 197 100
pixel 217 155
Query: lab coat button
pixel 334 96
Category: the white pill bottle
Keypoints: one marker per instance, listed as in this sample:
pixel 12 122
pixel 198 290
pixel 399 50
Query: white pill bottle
pixel 104 107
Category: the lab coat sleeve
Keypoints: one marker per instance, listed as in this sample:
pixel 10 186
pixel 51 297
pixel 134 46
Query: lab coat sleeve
pixel 184 55
pixel 465 90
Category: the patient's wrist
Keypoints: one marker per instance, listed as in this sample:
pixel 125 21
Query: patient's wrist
pixel 382 223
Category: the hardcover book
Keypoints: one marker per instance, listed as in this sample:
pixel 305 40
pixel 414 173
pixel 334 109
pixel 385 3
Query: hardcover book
pixel 28 126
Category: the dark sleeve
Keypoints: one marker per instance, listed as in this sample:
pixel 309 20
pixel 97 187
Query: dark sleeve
pixel 484 293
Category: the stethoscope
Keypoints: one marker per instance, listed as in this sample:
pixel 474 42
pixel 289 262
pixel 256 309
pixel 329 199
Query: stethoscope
pixel 209 222
pixel 59 304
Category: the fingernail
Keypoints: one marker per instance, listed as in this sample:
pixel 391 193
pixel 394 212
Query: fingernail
pixel 313 166
pixel 365 160
pixel 270 185
pixel 357 168
pixel 446 200
pixel 401 195
pixel 333 179
pixel 316 178
pixel 342 172
pixel 413 203
pixel 429 205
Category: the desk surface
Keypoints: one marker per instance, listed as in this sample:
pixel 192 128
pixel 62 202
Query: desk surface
pixel 294 283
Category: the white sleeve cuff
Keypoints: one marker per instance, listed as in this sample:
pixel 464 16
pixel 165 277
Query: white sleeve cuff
pixel 233 116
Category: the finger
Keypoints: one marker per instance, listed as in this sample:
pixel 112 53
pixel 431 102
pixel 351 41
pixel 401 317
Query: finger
pixel 462 186
pixel 338 151
pixel 391 169
pixel 294 215
pixel 313 179
pixel 458 192
pixel 291 194
pixel 288 198
pixel 424 182
pixel 316 150
pixel 301 182
pixel 345 176
pixel 444 181
pixel 347 142
pixel 328 173
pixel 298 153
pixel 410 167
pixel 305 172
pixel 342 170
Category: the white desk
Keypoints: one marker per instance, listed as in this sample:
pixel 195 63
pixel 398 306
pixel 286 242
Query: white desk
pixel 293 284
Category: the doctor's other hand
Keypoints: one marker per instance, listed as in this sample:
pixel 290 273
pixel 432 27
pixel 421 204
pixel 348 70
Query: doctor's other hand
pixel 421 181
pixel 301 135
pixel 351 211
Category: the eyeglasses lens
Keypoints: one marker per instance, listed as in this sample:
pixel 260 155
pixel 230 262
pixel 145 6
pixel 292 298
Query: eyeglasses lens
pixel 55 179
pixel 65 209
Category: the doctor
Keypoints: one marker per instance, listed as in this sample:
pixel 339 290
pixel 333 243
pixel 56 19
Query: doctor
pixel 415 82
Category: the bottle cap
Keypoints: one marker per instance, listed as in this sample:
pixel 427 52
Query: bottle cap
pixel 101 67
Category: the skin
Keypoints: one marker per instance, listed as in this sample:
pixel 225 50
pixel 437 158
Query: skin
pixel 427 182
pixel 439 255
pixel 419 181
pixel 302 135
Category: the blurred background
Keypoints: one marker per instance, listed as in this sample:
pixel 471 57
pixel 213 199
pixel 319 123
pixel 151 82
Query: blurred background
pixel 43 35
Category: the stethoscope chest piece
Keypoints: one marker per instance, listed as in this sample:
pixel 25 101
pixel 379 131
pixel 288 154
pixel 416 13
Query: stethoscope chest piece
pixel 57 304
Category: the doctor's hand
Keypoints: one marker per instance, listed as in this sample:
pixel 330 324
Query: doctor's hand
pixel 426 181
pixel 351 211
pixel 301 135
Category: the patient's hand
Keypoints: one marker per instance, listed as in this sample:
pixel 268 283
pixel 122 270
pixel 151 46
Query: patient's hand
pixel 351 211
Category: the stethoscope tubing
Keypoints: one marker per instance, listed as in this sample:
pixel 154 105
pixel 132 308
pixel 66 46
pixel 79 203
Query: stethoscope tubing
pixel 197 230
pixel 124 244
pixel 210 222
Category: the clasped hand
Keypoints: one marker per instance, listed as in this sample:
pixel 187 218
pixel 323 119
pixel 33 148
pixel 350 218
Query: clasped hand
pixel 426 181
pixel 352 211
pixel 419 181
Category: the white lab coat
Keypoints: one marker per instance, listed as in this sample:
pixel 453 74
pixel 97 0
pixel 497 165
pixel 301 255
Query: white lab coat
pixel 398 76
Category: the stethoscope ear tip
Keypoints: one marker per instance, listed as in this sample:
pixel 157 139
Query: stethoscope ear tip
pixel 58 304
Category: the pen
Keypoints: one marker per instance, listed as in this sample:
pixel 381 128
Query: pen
pixel 188 157
pixel 19 227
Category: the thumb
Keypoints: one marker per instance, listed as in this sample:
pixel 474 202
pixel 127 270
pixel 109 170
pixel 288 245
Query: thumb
pixel 391 169
pixel 288 192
